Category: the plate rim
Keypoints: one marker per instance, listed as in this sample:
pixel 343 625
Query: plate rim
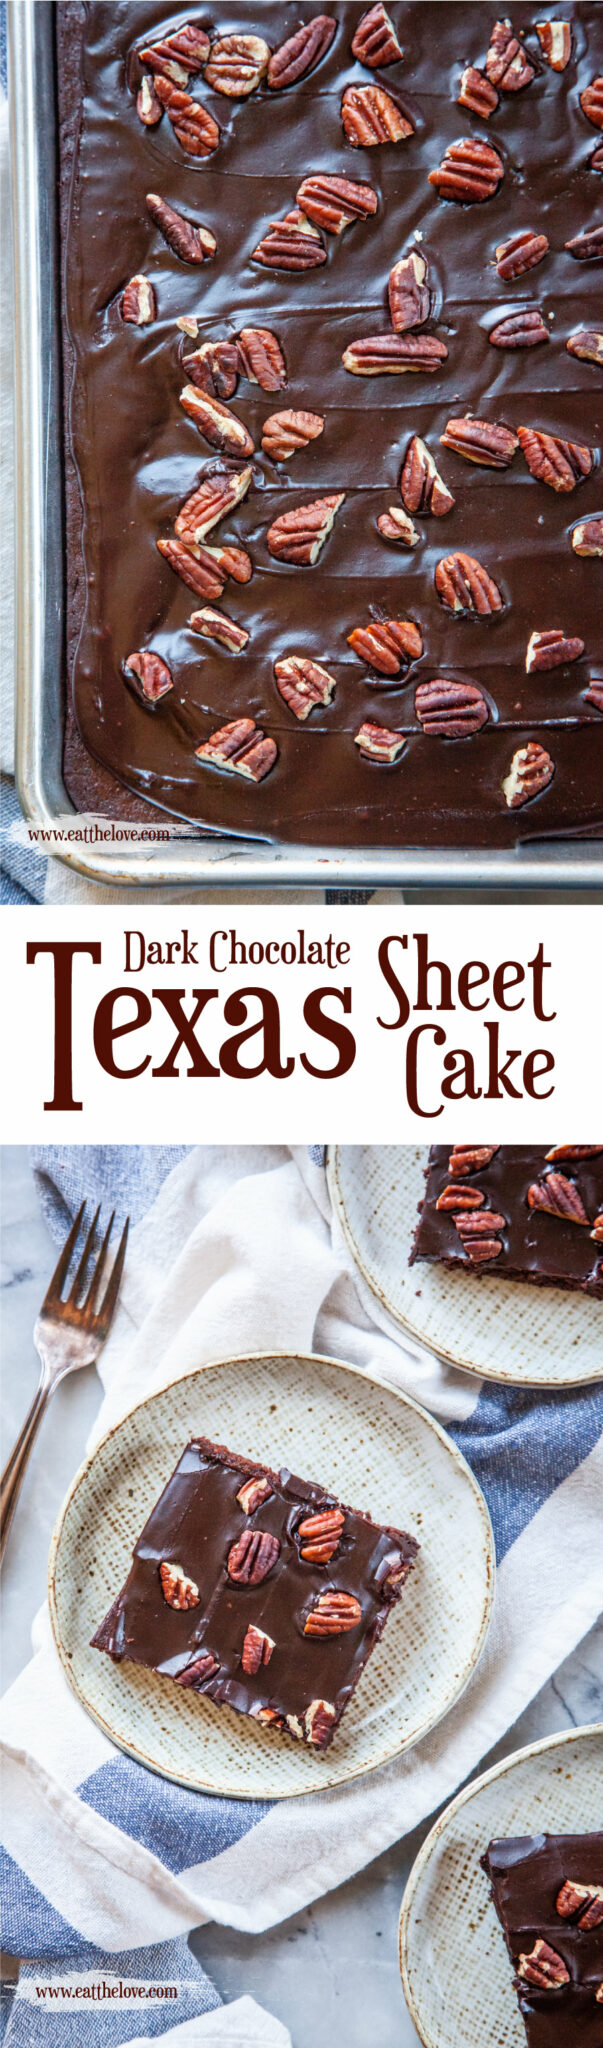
pixel 463 1798
pixel 486 1372
pixel 229 1790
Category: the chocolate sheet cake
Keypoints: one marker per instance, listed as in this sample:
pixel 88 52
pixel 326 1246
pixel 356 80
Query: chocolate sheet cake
pixel 259 1589
pixel 548 1894
pixel 526 1212
pixel 332 335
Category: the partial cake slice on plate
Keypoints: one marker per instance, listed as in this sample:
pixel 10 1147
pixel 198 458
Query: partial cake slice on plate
pixel 548 1893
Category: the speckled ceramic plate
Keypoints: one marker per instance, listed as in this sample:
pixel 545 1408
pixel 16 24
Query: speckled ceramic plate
pixel 331 1424
pixel 527 1336
pixel 456 1975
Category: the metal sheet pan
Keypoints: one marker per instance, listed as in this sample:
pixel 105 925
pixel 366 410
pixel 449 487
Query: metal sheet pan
pixel 40 664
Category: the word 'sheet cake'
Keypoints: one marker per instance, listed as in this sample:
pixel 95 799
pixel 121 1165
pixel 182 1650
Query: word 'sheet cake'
pixel 548 1894
pixel 523 1212
pixel 258 1589
pixel 332 349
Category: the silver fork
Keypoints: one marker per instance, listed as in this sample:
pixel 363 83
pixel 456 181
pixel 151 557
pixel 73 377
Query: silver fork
pixel 67 1334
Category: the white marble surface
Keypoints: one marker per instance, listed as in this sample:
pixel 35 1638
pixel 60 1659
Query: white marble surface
pixel 331 1973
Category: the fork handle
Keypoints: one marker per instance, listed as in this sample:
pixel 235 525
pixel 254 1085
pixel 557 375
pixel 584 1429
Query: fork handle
pixel 14 1470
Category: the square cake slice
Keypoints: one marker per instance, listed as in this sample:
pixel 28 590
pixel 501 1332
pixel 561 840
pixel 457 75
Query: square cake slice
pixel 259 1589
pixel 548 1893
pixel 526 1212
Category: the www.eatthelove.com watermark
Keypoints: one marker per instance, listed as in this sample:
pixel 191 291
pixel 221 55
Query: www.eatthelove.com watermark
pixel 86 829
pixel 76 1988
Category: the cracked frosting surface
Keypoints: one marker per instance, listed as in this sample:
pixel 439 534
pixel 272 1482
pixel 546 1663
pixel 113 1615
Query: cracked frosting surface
pixel 133 455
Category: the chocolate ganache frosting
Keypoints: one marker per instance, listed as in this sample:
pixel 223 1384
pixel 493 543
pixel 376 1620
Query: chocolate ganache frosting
pixel 454 742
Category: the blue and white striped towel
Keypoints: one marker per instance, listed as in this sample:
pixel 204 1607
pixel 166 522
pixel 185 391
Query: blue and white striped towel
pixel 101 1852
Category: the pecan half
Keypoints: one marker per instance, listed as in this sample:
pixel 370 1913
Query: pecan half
pixel 252 1493
pixel 138 303
pixel 587 247
pixel 421 486
pixel 408 292
pixel 188 239
pixel 290 244
pixel 587 539
pixel 240 748
pixel 334 203
pixel 522 252
pixel 481 441
pixel 594 694
pixel 477 1229
pixel 298 536
pixel 387 644
pixel 574 1152
pixel 587 345
pixel 591 102
pixel 543 1967
pixel 231 561
pixel 333 1614
pixel 463 585
pixel 236 65
pixel 303 684
pixel 369 115
pixel 186 49
pixel 507 64
pixel 213 367
pixel 397 526
pixel 283 433
pixel 525 329
pixel 581 1902
pixel 470 1159
pixel 261 358
pixel 469 172
pixel 379 743
pixel 551 650
pixel 555 38
pixel 198 1670
pixel 254 1554
pixel 451 710
pixel 597 1235
pixel 375 42
pixel 194 127
pixel 210 503
pixel 318 1723
pixel 391 1573
pixel 530 772
pixel 477 93
pixel 215 422
pixel 460 1199
pixel 319 1535
pixel 558 463
pixel 148 107
pixel 301 52
pixel 377 354
pixel 195 566
pixel 212 625
pixel 257 1649
pixel 177 1588
pixel 149 674
pixel 558 1196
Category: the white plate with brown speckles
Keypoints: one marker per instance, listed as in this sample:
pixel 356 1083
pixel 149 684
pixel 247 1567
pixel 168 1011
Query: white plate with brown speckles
pixel 376 1449
pixel 521 1335
pixel 456 1975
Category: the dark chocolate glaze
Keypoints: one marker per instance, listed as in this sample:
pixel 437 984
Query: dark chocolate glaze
pixel 526 1876
pixel 544 1249
pixel 194 1524
pixel 133 455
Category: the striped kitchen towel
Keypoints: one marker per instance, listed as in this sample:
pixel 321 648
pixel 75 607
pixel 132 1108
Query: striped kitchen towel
pixel 240 1252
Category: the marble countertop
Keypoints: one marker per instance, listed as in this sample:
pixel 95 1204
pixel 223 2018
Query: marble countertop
pixel 322 1971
